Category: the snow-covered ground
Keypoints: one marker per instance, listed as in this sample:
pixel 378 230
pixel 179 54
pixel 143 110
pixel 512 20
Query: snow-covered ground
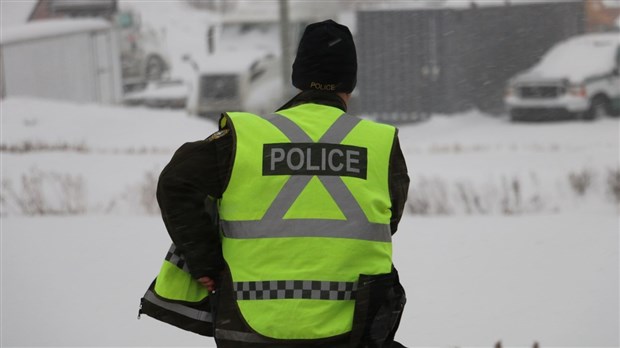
pixel 470 281
pixel 546 271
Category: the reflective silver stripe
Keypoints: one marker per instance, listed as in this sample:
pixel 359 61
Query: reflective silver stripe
pixel 361 230
pixel 178 308
pixel 273 224
pixel 295 289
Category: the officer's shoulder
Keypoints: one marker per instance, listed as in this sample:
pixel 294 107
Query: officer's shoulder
pixel 376 124
pixel 200 145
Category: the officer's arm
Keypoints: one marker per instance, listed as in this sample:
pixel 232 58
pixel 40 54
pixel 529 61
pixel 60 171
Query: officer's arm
pixel 184 186
pixel 398 182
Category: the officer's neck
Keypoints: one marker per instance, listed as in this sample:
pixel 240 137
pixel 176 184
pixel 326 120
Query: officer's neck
pixel 345 97
pixel 338 100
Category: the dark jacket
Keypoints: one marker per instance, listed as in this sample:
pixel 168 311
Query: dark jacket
pixel 198 173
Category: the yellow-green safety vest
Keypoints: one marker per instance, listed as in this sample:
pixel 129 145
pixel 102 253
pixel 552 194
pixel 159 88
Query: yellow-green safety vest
pixel 305 212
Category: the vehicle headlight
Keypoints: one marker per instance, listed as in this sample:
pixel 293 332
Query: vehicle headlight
pixel 578 90
pixel 511 91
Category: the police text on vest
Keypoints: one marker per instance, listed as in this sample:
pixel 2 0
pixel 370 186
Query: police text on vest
pixel 315 159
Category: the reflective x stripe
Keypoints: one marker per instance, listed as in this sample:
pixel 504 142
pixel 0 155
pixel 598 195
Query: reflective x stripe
pixel 273 224
pixel 296 184
pixel 178 308
pixel 176 258
pixel 295 289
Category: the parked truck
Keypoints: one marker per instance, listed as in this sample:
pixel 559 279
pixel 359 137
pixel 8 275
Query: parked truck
pixel 142 49
pixel 247 80
pixel 67 59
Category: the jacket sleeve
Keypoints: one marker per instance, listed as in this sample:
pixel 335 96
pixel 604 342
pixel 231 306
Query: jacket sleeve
pixel 398 183
pixel 187 191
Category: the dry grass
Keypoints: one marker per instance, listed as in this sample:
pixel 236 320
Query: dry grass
pixel 581 180
pixel 44 193
pixel 52 193
pixel 28 146
pixel 509 195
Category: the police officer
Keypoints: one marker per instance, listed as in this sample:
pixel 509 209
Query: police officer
pixel 282 224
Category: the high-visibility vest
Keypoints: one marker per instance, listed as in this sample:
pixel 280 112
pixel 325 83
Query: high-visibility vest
pixel 305 212
pixel 176 298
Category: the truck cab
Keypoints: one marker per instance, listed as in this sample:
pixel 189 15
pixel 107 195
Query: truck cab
pixel 248 80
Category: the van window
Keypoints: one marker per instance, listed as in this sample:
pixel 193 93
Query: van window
pixel 124 20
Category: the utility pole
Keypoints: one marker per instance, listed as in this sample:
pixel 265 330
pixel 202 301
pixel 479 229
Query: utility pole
pixel 285 45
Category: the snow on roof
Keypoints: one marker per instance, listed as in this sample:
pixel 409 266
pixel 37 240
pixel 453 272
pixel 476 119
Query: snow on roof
pixel 252 11
pixel 50 27
pixel 579 57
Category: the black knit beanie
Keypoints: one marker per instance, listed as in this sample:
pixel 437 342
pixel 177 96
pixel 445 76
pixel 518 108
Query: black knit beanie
pixel 326 59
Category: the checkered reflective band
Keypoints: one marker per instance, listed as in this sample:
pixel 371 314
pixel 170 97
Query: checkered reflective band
pixel 174 256
pixel 295 289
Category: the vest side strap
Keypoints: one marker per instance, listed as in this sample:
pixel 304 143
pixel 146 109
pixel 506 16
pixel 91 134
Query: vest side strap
pixel 239 336
pixel 177 308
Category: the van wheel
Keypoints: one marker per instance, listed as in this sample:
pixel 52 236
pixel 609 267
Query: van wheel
pixel 599 107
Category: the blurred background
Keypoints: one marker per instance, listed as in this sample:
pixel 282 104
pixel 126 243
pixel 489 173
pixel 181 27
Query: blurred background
pixel 508 118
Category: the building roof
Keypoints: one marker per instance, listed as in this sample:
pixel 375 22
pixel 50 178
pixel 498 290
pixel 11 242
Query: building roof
pixel 49 28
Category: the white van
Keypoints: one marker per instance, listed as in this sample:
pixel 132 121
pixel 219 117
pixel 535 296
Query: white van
pixel 236 81
pixel 576 78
